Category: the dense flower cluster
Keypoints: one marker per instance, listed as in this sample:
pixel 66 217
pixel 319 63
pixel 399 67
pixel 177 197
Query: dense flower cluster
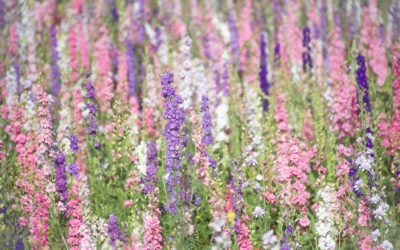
pixel 246 124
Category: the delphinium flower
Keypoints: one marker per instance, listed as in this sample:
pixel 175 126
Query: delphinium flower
pixel 83 45
pixel 234 37
pixel 326 212
pixel 263 74
pixel 113 231
pixel 55 71
pixel 187 87
pixel 61 177
pixel 375 46
pixel 270 241
pixel 253 115
pixel 73 54
pixel 390 131
pixel 104 83
pixel 151 168
pixel 345 119
pixel 307 61
pixel 130 61
pixel 221 123
pixel 152 234
pixel 90 112
pixel 245 38
pixel 174 114
pixel 292 38
pixel 362 81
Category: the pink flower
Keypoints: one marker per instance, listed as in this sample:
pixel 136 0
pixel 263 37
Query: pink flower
pixel 304 222
pixel 128 203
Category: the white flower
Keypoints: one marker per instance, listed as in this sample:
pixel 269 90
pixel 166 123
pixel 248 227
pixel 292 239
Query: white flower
pixel 258 212
pixel 375 234
pixel 217 224
pixel 381 210
pixel 375 198
pixel 386 245
pixel 270 241
pixel 259 177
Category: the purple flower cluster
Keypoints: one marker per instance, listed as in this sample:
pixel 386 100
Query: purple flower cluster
pixel 206 121
pixel 55 71
pixel 130 58
pixel 61 177
pixel 362 82
pixel 307 61
pixel 235 50
pixel 151 170
pixel 72 169
pixel 91 119
pixel 175 119
pixel 264 84
pixel 73 143
pixel 113 230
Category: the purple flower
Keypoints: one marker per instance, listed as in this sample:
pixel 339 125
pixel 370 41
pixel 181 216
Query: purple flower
pixel 207 138
pixel 196 199
pixel 175 119
pixel 264 84
pixel 277 55
pixel 114 10
pixel 234 37
pixel 61 177
pixel 307 61
pixel 289 230
pixel 151 170
pixel 73 143
pixel 130 60
pixel 90 91
pixel 285 247
pixel 19 245
pixel 113 230
pixel 362 82
pixel 72 169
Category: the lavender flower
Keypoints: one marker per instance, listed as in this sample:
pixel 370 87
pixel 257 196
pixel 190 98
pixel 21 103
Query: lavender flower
pixel 151 170
pixel 362 82
pixel 61 177
pixel 130 58
pixel 206 121
pixel 73 143
pixel 72 169
pixel 91 120
pixel 234 37
pixel 55 71
pixel 175 119
pixel 113 230
pixel 264 84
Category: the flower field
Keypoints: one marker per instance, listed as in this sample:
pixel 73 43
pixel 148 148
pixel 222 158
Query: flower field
pixel 201 124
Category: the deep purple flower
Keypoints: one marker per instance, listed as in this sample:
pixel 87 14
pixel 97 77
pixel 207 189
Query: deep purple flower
pixel 307 61
pixel 90 91
pixel 19 245
pixel 55 71
pixel 264 84
pixel 113 230
pixel 174 115
pixel 72 169
pixel 196 199
pixel 289 230
pixel 114 10
pixel 61 177
pixel 362 81
pixel 3 209
pixel 73 143
pixel 97 145
pixel 352 172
